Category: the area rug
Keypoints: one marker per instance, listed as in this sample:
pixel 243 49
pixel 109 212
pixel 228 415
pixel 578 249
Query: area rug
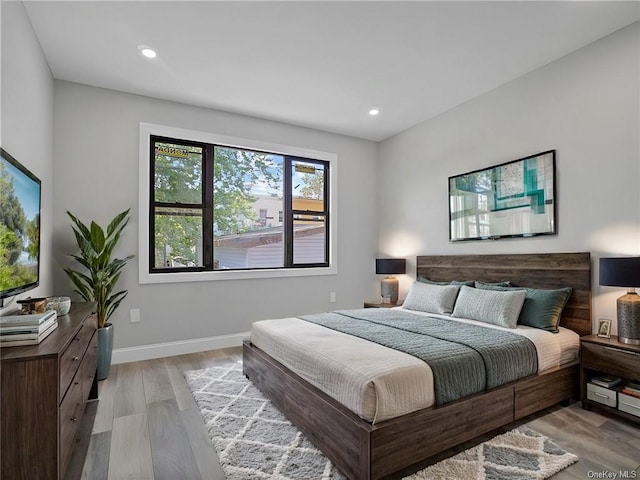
pixel 254 441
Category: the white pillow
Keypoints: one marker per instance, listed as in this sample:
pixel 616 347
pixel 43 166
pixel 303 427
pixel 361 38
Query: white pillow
pixel 431 298
pixel 490 306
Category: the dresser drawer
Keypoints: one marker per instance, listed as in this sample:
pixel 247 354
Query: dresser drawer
pixel 71 410
pixel 72 356
pixel 87 370
pixel 615 361
pixel 629 404
pixel 602 395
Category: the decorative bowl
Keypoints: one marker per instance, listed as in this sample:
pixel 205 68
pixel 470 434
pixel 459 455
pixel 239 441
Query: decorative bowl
pixel 60 304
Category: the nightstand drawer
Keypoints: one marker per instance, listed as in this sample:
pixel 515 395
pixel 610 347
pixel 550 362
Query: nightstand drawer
pixel 600 394
pixel 617 361
pixel 629 404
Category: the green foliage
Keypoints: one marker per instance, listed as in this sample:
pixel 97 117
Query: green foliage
pixel 180 181
pixel 13 228
pixel 181 233
pixel 313 186
pixel 33 235
pixel 96 283
pixel 12 217
pixel 12 273
pixel 11 245
pixel 235 173
pixel 11 213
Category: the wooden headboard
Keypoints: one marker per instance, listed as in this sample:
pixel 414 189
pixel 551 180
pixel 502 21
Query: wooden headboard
pixel 539 270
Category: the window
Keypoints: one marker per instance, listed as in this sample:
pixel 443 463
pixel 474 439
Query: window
pixel 216 207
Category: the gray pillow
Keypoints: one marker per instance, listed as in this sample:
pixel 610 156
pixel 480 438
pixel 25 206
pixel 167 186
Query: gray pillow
pixel 542 308
pixel 426 297
pixel 490 306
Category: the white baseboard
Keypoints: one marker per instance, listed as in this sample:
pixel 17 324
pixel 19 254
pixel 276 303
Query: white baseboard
pixel 169 349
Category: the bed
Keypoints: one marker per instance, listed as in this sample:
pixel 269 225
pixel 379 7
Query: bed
pixel 375 446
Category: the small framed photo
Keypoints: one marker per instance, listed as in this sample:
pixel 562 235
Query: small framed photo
pixel 604 328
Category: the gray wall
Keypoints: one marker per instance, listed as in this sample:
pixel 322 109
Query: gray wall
pixel 96 176
pixel 585 105
pixel 26 109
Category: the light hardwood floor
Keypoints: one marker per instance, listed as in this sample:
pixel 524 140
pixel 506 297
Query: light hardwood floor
pixel 146 425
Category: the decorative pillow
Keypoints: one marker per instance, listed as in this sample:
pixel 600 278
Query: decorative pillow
pixel 505 283
pixel 468 283
pixel 542 308
pixel 426 297
pixel 490 306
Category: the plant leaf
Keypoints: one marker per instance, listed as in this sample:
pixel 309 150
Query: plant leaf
pixel 115 223
pixel 102 271
pixel 81 226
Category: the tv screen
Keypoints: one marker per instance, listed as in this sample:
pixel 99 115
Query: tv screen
pixel 19 227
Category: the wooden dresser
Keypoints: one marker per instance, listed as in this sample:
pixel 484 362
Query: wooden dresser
pixel 45 388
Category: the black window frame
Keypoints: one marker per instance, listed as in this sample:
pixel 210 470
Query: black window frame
pixel 207 206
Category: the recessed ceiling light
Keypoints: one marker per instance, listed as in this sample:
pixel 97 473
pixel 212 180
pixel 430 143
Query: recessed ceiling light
pixel 147 51
pixel 373 112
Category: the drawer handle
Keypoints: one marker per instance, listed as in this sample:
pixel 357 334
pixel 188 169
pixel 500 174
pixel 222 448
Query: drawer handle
pixel 77 339
pixel 622 351
pixel 74 419
pixel 629 405
pixel 601 395
pixel 76 383
pixel 76 358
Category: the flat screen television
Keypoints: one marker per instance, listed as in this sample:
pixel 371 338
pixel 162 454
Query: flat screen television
pixel 19 228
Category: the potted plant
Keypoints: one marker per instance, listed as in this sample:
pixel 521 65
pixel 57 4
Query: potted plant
pixel 97 281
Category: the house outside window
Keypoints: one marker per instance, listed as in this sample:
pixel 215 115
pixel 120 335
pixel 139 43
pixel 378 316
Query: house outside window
pixel 216 207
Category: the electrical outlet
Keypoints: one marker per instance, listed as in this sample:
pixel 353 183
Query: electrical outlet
pixel 332 297
pixel 134 315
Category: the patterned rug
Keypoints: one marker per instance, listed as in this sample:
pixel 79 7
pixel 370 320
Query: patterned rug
pixel 254 441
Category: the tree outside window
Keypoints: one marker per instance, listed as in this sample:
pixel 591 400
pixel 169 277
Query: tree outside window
pixel 216 207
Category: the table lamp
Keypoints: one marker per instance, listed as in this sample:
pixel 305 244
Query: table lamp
pixel 389 285
pixel 624 272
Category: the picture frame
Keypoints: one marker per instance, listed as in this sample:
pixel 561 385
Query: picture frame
pixel 512 199
pixel 604 328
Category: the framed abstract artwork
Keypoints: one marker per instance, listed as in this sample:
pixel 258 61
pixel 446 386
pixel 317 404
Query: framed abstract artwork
pixel 513 199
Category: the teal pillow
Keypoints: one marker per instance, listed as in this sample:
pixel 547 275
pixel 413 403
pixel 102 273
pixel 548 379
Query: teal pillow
pixel 465 283
pixel 541 309
pixel 505 283
pixel 468 283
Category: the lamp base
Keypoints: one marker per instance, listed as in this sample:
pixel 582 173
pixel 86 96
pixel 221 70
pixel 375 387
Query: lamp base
pixel 389 289
pixel 628 307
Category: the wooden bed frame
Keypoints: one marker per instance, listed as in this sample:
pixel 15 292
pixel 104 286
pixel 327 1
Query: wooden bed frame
pixel 363 451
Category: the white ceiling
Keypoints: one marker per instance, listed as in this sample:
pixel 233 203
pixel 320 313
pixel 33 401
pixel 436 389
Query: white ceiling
pixel 322 65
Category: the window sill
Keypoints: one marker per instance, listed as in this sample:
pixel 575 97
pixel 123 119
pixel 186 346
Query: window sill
pixel 179 277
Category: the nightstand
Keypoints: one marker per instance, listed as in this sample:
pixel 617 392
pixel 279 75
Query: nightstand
pixel 600 356
pixel 382 305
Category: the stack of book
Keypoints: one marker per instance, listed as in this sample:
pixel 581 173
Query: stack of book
pixel 16 330
pixel 606 381
pixel 632 389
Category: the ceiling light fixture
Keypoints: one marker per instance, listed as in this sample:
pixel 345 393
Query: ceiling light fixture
pixel 147 51
pixel 373 112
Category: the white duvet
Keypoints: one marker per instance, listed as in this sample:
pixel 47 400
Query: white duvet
pixel 375 382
